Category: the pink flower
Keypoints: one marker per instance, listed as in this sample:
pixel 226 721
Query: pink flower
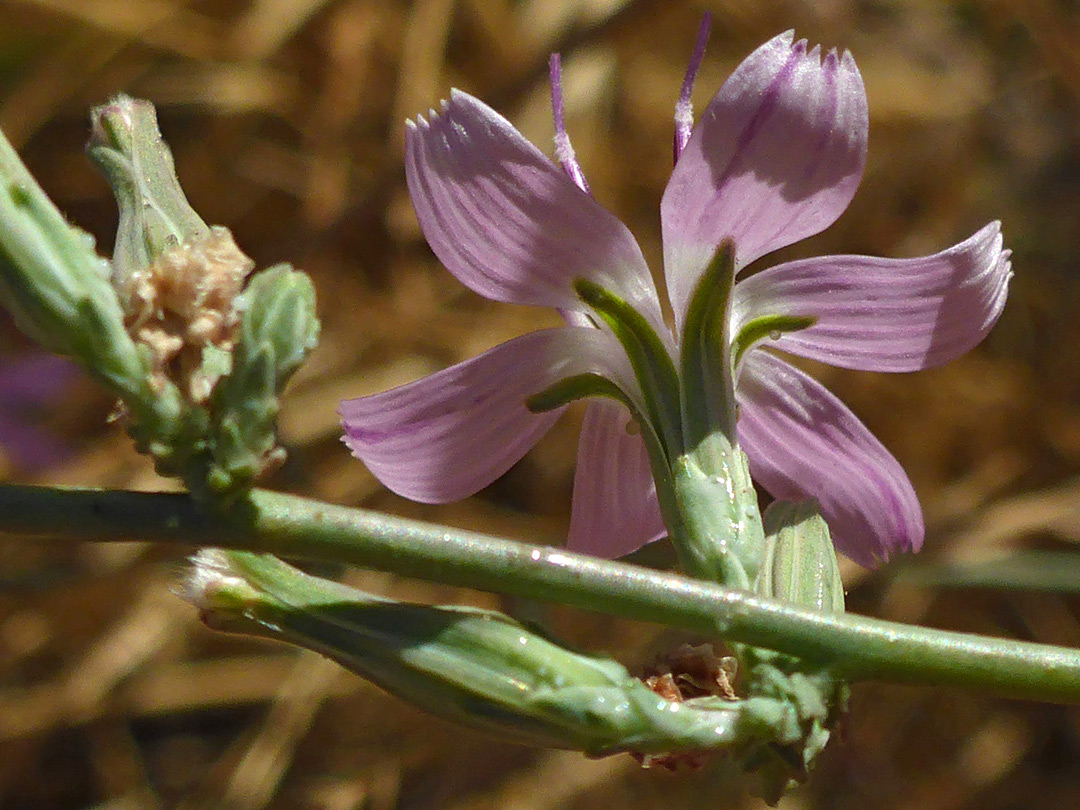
pixel 776 158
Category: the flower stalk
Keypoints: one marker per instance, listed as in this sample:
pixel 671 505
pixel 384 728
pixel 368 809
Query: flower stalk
pixel 853 647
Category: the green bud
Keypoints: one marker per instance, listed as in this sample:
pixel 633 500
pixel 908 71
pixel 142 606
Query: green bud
pixel 59 292
pixel 485 670
pixel 168 322
pixel 278 329
pixel 799 563
pixel 279 313
pixel 177 279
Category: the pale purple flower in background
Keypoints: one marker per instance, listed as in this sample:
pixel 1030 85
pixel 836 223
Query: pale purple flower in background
pixel 29 381
pixel 775 158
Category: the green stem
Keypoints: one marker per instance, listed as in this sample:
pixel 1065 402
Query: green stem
pixel 854 647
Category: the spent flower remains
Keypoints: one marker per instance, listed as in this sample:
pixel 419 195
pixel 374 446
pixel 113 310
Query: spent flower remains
pixel 775 158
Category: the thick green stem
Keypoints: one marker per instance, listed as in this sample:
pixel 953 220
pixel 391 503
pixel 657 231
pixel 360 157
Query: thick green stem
pixel 854 647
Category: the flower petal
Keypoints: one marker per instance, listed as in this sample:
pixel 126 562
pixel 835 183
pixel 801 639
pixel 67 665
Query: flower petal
pixel 776 157
pixel 885 314
pixel 615 511
pixel 448 435
pixel 803 442
pixel 508 222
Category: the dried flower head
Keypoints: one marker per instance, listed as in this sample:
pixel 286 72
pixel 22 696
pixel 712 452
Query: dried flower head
pixel 185 302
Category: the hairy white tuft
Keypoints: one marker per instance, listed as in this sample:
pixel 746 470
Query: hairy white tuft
pixel 210 572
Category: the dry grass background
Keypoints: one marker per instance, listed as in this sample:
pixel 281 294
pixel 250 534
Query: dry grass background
pixel 286 121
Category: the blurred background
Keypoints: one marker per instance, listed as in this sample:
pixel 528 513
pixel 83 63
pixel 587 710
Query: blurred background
pixel 286 119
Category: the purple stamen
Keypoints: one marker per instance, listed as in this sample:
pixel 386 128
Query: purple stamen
pixel 684 109
pixel 564 152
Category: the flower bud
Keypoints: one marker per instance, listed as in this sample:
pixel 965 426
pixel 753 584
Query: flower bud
pixel 177 279
pixel 222 350
pixel 799 563
pixel 278 329
pixel 486 670
pixel 279 315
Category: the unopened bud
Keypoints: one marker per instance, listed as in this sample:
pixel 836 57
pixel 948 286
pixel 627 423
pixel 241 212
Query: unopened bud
pixel 279 315
pixel 486 670
pixel 221 350
pixel 177 278
pixel 799 563
pixel 278 329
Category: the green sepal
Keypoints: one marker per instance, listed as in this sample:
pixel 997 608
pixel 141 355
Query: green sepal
pixel 708 388
pixel 655 372
pixel 767 326
pixel 721 537
pixel 571 389
pixel 584 386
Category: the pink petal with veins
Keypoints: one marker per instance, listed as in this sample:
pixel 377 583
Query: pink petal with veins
pixel 803 442
pixel 615 511
pixel 450 434
pixel 885 314
pixel 775 158
pixel 508 222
